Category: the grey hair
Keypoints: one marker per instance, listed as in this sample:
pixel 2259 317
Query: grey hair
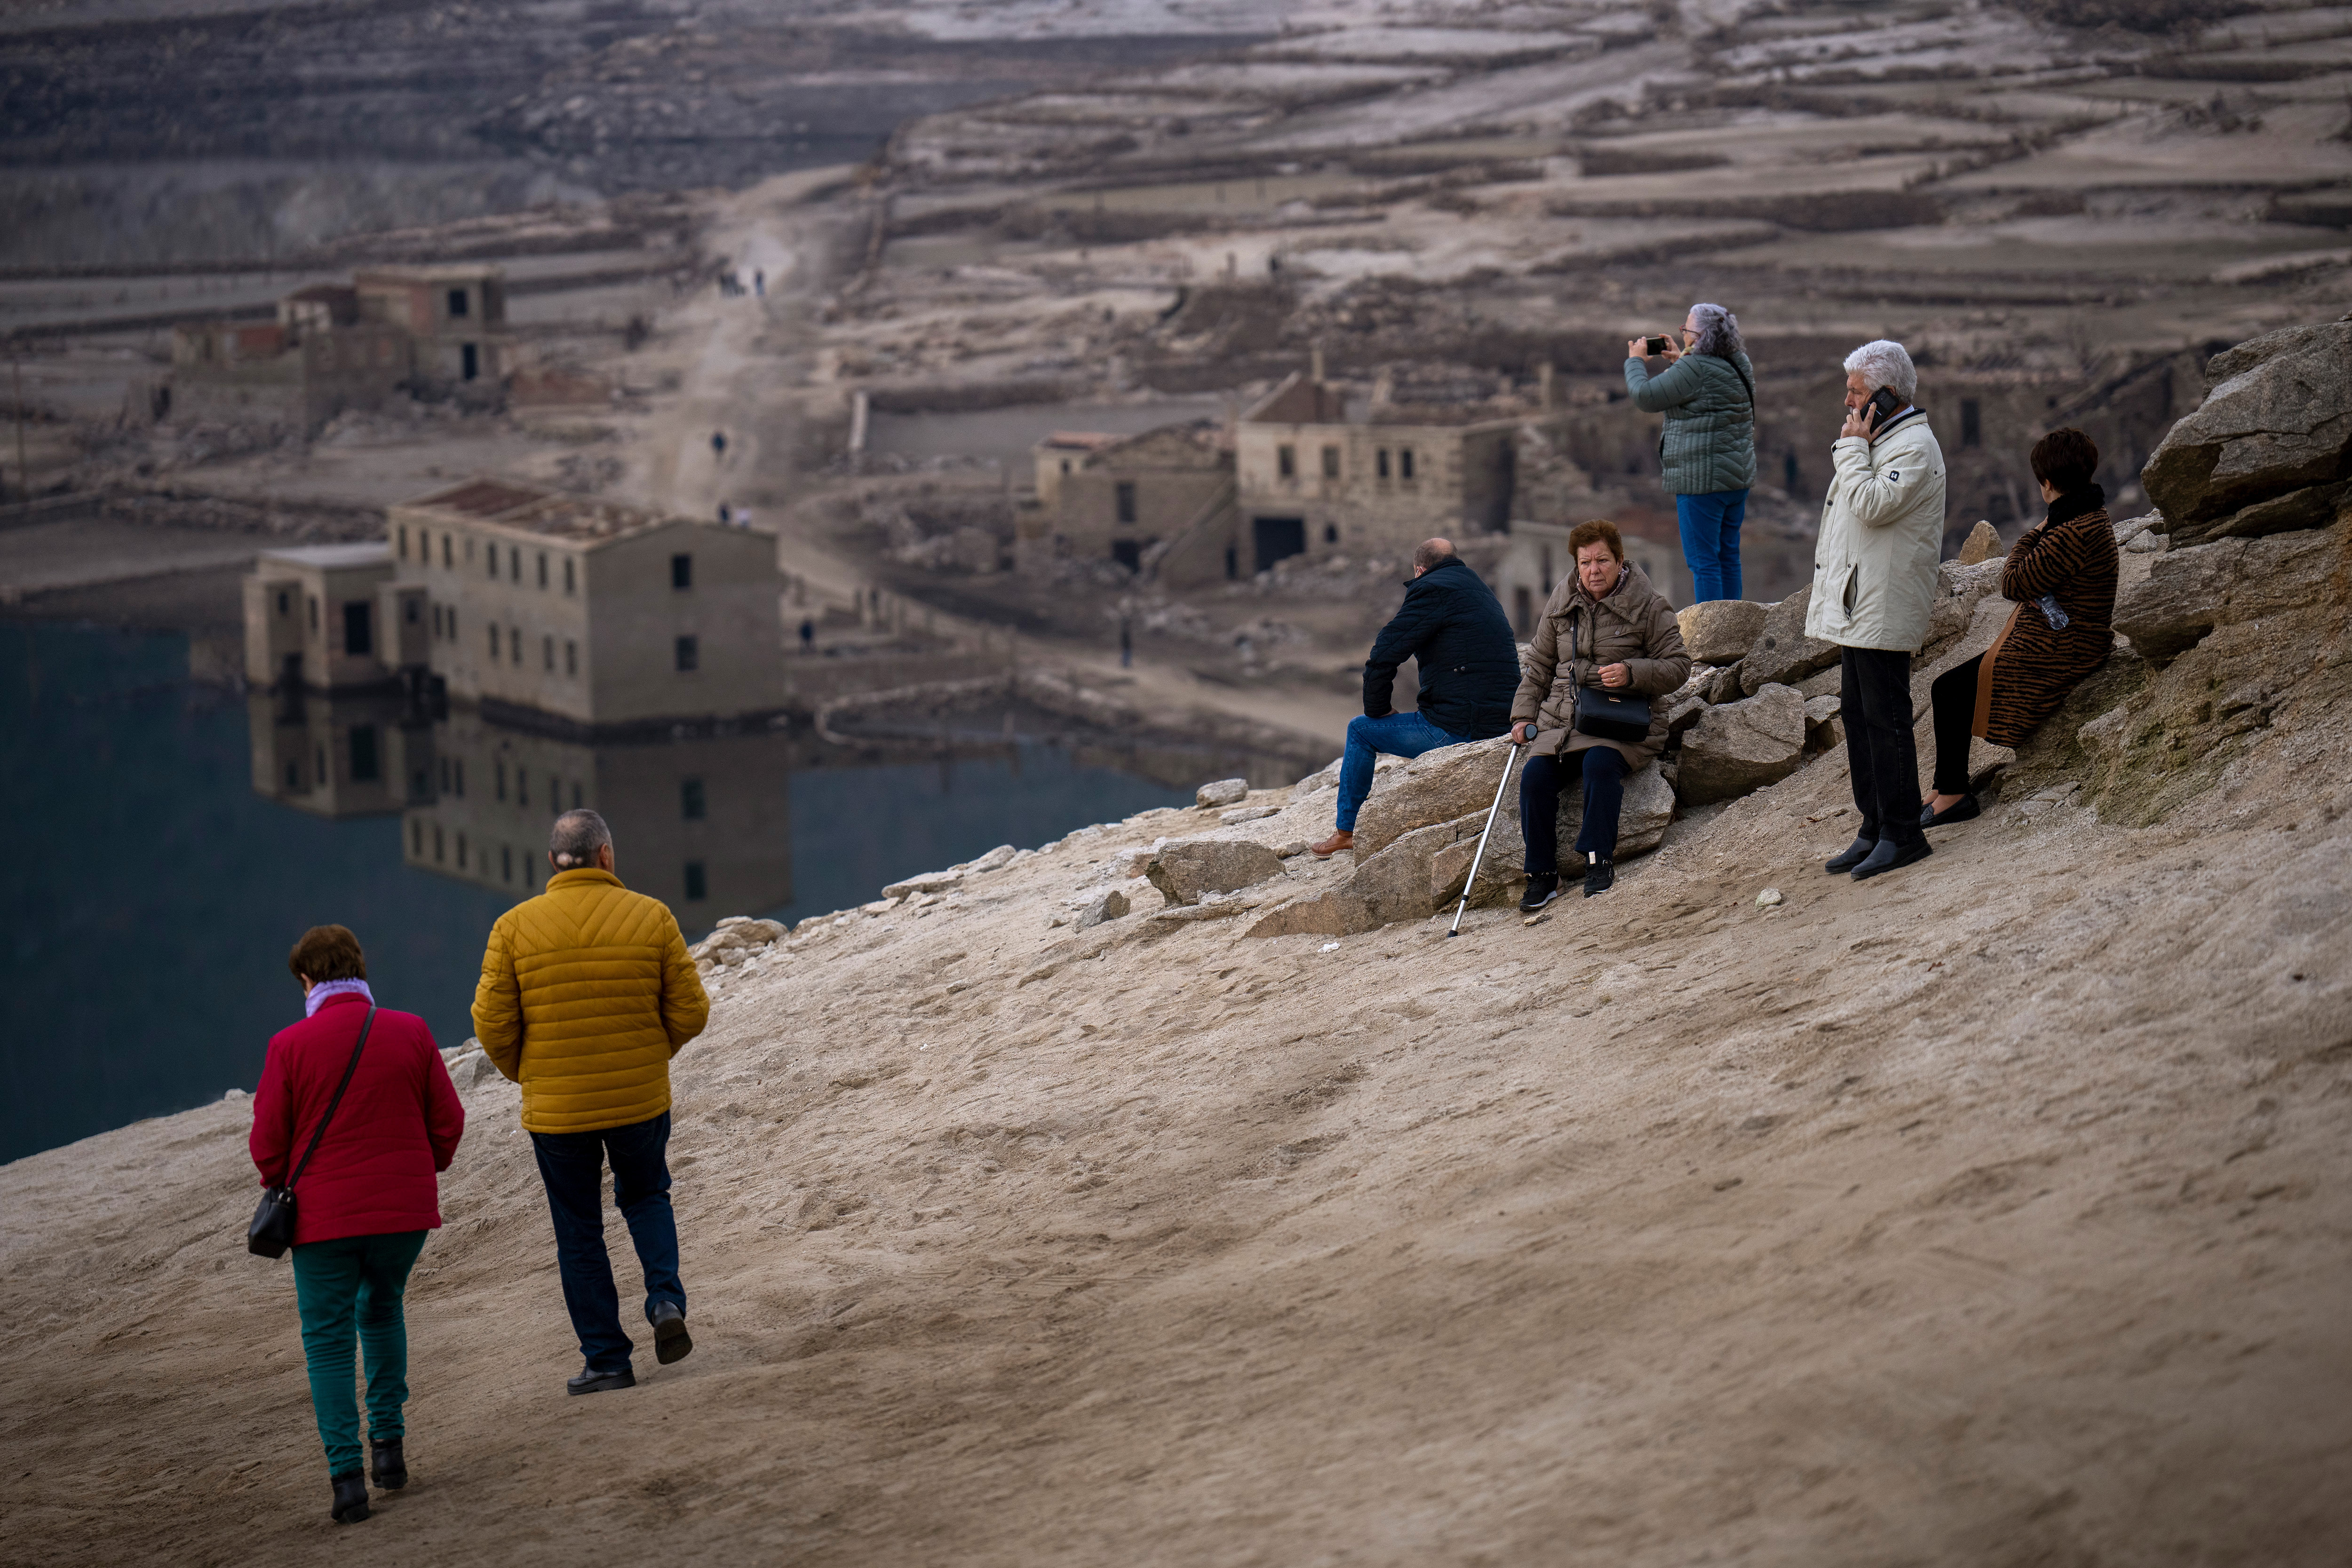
pixel 1718 332
pixel 1885 363
pixel 576 837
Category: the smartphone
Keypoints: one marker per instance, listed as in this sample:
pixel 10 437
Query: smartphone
pixel 1887 405
pixel 1655 345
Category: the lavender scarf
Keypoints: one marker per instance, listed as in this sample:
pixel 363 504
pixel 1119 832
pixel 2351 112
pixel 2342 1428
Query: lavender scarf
pixel 327 990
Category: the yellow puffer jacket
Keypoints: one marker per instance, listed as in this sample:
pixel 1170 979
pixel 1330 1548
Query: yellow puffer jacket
pixel 587 994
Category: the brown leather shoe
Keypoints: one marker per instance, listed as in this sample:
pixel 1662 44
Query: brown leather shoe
pixel 1342 840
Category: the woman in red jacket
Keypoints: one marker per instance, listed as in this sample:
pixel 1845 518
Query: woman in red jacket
pixel 366 1199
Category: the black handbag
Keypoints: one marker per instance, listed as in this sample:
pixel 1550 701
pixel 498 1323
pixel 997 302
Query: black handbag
pixel 1605 714
pixel 272 1230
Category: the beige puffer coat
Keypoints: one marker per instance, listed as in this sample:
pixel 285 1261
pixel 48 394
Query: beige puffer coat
pixel 1631 625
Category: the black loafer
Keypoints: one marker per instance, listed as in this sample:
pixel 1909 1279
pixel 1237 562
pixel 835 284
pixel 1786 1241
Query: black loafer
pixel 387 1465
pixel 1892 854
pixel 1599 876
pixel 1964 809
pixel 1543 888
pixel 598 1382
pixel 671 1342
pixel 1852 856
pixel 351 1499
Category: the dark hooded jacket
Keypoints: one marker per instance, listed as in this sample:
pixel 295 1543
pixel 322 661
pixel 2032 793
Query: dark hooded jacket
pixel 1451 624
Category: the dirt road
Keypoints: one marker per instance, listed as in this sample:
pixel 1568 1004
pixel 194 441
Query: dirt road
pixel 1994 1212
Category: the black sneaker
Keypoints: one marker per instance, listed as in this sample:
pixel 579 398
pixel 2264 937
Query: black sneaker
pixel 1854 855
pixel 1599 876
pixel 351 1499
pixel 1892 854
pixel 1963 809
pixel 387 1464
pixel 671 1342
pixel 1543 888
pixel 598 1382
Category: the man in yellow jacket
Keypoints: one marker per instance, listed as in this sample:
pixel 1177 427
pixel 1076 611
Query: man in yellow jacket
pixel 587 994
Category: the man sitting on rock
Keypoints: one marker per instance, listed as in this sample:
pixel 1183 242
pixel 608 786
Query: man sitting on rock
pixel 1468 663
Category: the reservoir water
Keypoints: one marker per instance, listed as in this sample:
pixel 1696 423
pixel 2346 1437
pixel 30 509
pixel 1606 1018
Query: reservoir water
pixel 171 839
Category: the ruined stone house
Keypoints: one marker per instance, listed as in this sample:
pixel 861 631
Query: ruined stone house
pixel 434 331
pixel 1121 498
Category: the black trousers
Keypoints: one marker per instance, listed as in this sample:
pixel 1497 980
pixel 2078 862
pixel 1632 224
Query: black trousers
pixel 1540 782
pixel 1953 698
pixel 1874 690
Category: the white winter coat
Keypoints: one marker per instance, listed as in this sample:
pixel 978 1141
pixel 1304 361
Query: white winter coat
pixel 1882 535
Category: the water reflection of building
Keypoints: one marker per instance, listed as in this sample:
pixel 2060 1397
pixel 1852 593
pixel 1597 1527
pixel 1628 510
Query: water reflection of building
pixel 703 824
pixel 359 754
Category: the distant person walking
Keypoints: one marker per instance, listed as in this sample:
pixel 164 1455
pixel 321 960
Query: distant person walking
pixel 1452 628
pixel 759 282
pixel 1126 643
pixel 1874 587
pixel 718 446
pixel 586 993
pixel 367 1196
pixel 1707 449
pixel 808 635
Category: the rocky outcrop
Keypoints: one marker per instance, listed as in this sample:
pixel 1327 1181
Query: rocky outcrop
pixel 2270 449
pixel 1721 631
pixel 1435 786
pixel 2248 639
pixel 1783 654
pixel 1332 915
pixel 1224 792
pixel 1187 868
pixel 1982 544
pixel 1742 745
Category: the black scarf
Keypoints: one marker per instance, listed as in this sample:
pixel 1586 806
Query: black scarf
pixel 2074 504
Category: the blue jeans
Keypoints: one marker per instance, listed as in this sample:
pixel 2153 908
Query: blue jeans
pixel 350 1290
pixel 1397 734
pixel 1710 526
pixel 572 1166
pixel 1540 783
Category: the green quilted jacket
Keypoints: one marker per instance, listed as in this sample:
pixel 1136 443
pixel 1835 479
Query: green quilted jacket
pixel 1709 441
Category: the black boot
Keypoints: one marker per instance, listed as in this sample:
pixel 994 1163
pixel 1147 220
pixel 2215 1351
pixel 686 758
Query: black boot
pixel 351 1499
pixel 387 1465
pixel 1890 855
pixel 671 1342
pixel 1600 875
pixel 598 1382
pixel 1854 854
pixel 1543 886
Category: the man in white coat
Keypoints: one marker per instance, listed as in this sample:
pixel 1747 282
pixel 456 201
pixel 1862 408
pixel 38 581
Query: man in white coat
pixel 1873 587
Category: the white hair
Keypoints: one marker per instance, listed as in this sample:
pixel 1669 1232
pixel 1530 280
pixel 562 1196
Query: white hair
pixel 1884 363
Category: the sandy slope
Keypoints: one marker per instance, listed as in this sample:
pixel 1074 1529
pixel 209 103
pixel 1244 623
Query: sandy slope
pixel 1994 1212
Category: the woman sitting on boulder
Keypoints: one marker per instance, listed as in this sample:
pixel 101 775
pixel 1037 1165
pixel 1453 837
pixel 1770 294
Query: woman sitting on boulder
pixel 1604 626
pixel 2063 576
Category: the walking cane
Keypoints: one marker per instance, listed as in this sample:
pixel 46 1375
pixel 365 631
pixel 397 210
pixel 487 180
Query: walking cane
pixel 1508 763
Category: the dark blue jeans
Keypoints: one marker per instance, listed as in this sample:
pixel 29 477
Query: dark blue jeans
pixel 572 1166
pixel 1397 734
pixel 1710 529
pixel 1604 799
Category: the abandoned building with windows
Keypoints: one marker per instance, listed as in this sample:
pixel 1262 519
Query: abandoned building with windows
pixel 510 651
pixel 1312 469
pixel 436 332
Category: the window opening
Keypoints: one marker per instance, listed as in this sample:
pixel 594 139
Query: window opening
pixel 363 754
pixel 689 655
pixel 692 805
pixel 1125 496
pixel 1331 462
pixel 1285 462
pixel 681 571
pixel 359 629
pixel 697 887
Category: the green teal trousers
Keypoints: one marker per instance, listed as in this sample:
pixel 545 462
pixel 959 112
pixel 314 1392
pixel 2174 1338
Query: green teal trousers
pixel 348 1288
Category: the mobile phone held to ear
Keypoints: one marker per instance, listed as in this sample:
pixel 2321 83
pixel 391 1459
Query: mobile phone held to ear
pixel 1655 345
pixel 1886 406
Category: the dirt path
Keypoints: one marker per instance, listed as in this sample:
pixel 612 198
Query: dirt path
pixel 1995 1212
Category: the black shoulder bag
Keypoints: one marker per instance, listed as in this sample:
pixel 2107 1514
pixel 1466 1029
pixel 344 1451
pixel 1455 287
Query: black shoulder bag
pixel 272 1230
pixel 1603 713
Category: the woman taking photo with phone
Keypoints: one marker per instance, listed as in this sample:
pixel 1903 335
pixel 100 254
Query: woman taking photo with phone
pixel 1708 450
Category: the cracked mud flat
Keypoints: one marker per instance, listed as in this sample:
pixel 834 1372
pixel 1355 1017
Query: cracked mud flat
pixel 1991 1212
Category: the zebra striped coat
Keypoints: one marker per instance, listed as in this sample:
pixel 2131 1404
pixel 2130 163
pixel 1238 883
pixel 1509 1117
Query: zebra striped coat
pixel 2071 557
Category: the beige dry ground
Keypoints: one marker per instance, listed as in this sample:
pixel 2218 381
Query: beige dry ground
pixel 1993 1212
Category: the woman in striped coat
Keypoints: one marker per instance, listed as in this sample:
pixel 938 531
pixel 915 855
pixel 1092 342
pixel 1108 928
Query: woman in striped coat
pixel 2063 578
